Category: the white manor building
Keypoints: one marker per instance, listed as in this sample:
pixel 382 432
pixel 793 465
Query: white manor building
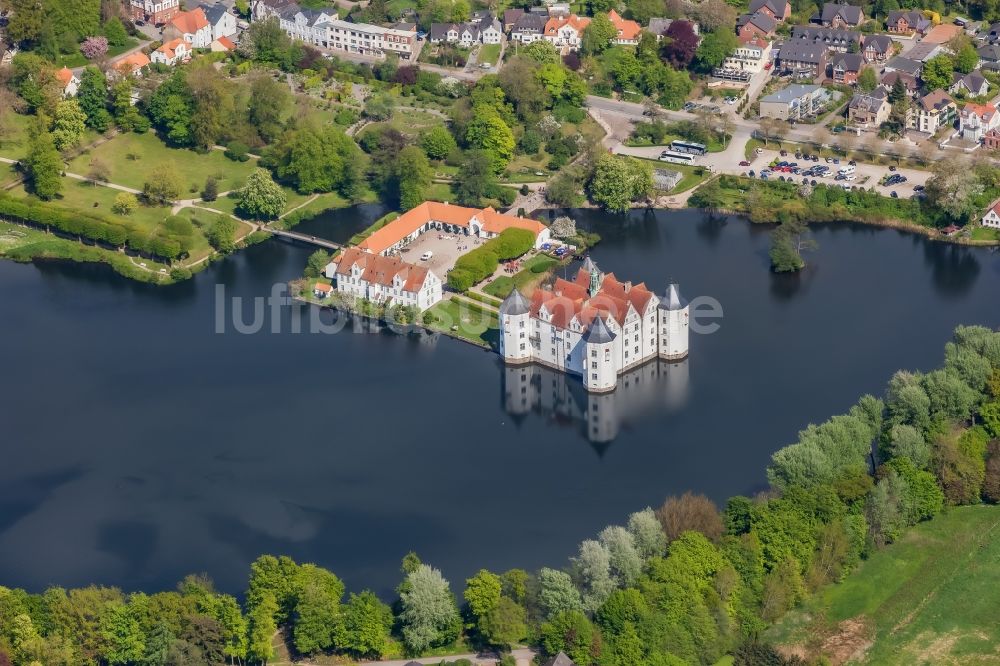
pixel 594 326
pixel 381 279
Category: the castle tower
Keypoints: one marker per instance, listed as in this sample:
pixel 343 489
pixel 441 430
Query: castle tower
pixel 600 370
pixel 673 324
pixel 515 328
pixel 596 277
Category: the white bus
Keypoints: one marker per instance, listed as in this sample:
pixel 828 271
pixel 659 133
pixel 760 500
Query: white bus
pixel 688 147
pixel 677 158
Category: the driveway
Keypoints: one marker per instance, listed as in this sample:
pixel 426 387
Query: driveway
pixel 447 248
pixel 868 175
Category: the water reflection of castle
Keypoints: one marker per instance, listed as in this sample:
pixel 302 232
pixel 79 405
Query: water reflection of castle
pixel 654 386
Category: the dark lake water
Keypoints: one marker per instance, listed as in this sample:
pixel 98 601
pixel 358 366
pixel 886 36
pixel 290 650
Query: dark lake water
pixel 140 445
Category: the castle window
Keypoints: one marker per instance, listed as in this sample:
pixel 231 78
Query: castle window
pixel 607 355
pixel 593 353
pixel 593 365
pixel 593 376
pixel 637 337
pixel 637 349
pixel 522 335
pixel 521 323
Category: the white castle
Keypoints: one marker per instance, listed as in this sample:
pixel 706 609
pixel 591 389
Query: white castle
pixel 594 326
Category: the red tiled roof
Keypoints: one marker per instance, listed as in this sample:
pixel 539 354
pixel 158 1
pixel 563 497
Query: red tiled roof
pixel 226 43
pixel 433 211
pixel 626 29
pixel 132 62
pixel 322 286
pixel 65 75
pixel 190 22
pixel 578 23
pixel 170 48
pixel 382 270
pixel 568 299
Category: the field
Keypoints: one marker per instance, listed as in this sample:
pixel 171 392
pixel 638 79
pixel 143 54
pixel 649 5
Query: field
pixel 132 158
pixel 475 325
pixel 928 599
pixel 489 53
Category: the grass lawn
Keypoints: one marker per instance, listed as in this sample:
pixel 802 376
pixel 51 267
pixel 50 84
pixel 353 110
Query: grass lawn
pixel 151 153
pixel 79 60
pixel 524 168
pixel 501 286
pixel 930 598
pixel 713 146
pixel 8 173
pixel 980 233
pixel 409 121
pixel 692 175
pixel 14 144
pixel 489 53
pixel 478 326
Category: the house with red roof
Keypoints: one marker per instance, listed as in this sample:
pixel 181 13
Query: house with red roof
pixel 566 32
pixel 172 53
pixel 192 27
pixel 132 64
pixel 992 216
pixel 627 31
pixel 975 120
pixel 69 82
pixel 595 326
pixel 382 279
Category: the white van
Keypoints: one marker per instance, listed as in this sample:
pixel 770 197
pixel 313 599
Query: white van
pixel 426 256
pixel 847 170
pixel 850 176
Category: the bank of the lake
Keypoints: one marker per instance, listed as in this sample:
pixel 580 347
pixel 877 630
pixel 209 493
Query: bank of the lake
pixel 204 449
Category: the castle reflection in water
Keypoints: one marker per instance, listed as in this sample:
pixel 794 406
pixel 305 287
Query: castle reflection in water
pixel 656 386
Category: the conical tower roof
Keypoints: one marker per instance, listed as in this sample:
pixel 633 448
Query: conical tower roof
pixel 590 266
pixel 673 300
pixel 598 333
pixel 515 304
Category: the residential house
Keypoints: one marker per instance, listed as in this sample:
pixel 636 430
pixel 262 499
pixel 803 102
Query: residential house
pixel 192 27
pixel 463 34
pixel 973 83
pixel 910 83
pixel 779 10
pixel 832 38
pixel 990 35
pixel 627 31
pixel 877 48
pixel 510 17
pixel 794 102
pixel 906 22
pixel 802 58
pixel 528 28
pixel 382 279
pixel 991 140
pixel 305 25
pixel 846 67
pixel 171 53
pixel 992 216
pixel 943 33
pixel 156 12
pixel 69 82
pixel 749 57
pixel 566 33
pixel 924 51
pixel 989 56
pixel 222 21
pixel 904 65
pixel 132 64
pixel 975 120
pixel 322 290
pixel 223 45
pixel 560 660
pixel 264 9
pixel 372 40
pixel 759 24
pixel 658 26
pixel 490 29
pixel 934 111
pixel 836 15
pixel 869 109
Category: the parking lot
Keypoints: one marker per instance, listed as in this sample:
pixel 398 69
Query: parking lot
pixel 447 248
pixel 867 175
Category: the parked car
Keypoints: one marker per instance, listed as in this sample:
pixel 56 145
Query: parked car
pixel 783 153
pixel 853 163
pixel 918 188
pixel 744 163
pixel 426 255
pixel 894 194
pixel 892 167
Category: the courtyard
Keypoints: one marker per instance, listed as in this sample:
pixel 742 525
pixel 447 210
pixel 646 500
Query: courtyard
pixel 447 248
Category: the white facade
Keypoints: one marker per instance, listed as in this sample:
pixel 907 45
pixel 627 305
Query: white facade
pixel 223 24
pixel 750 57
pixel 992 217
pixel 383 280
pixel 596 331
pixel 492 34
pixel 366 39
pixel 171 53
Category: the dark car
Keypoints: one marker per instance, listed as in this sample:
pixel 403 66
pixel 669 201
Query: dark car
pixel 812 182
pixel 918 188
pixel 894 194
pixel 892 168
pixel 744 163
pixel 853 163
pixel 784 153
pixel 750 173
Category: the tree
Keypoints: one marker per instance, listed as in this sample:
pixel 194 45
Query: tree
pixel 625 561
pixel 69 125
pixel 937 72
pixel 438 142
pixel 867 79
pixel 92 97
pixel 618 181
pixel 647 534
pixel 504 624
pixel 966 59
pixel 681 44
pixel 597 35
pixel 482 593
pixel 115 32
pixel 122 635
pixel 953 188
pixel 211 190
pixel 99 171
pixel 43 165
pixel 689 512
pixel 267 106
pixel 714 14
pixel 414 176
pixel 172 109
pixel 94 48
pixel 261 197
pixel 222 234
pixel 478 179
pixel 317 609
pixel 26 19
pixel 592 567
pixel 570 632
pixel 367 622
pixel 262 629
pixel 125 115
pixel 557 593
pixel 564 190
pixel 541 51
pixel 715 47
pixel 379 107
pixel 163 185
pixel 318 160
pixel 428 615
pixel 488 132
pixel 125 204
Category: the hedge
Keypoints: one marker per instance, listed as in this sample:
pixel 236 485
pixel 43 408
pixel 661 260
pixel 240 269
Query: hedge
pixel 477 265
pixel 86 225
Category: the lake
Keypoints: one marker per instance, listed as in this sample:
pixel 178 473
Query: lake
pixel 142 445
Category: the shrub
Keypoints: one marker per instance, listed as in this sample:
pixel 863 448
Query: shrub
pixel 125 204
pixel 237 151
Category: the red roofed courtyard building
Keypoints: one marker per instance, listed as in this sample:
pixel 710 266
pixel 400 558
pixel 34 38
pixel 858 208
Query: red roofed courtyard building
pixel 594 326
